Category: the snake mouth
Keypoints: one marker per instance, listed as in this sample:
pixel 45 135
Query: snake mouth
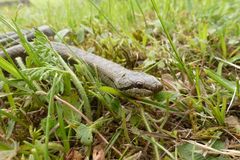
pixel 138 92
pixel 134 85
pixel 139 89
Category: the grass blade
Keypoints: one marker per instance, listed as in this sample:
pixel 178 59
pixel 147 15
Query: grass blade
pixel 230 86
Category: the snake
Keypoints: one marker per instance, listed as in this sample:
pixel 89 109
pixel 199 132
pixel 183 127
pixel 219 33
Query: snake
pixel 130 82
pixel 11 3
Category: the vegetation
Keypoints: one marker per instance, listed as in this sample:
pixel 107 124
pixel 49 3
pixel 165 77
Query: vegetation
pixel 51 110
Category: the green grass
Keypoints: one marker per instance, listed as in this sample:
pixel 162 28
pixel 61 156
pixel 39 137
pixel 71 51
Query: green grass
pixel 49 109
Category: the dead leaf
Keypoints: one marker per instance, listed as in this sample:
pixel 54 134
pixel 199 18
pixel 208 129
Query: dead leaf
pixel 74 155
pixel 136 156
pixel 98 152
pixel 233 121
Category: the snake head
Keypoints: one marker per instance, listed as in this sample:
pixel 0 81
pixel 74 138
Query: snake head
pixel 138 84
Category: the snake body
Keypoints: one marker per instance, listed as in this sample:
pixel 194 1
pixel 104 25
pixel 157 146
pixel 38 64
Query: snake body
pixel 11 38
pixel 11 3
pixel 134 83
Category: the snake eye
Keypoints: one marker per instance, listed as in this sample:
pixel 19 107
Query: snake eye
pixel 139 84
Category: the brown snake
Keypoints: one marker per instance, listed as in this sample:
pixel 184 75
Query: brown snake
pixel 137 84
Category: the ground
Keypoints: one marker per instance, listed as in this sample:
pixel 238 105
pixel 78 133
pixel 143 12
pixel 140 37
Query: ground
pixel 192 46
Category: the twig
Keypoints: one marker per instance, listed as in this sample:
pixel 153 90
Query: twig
pixel 222 152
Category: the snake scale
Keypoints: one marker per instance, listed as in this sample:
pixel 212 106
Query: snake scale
pixel 137 84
